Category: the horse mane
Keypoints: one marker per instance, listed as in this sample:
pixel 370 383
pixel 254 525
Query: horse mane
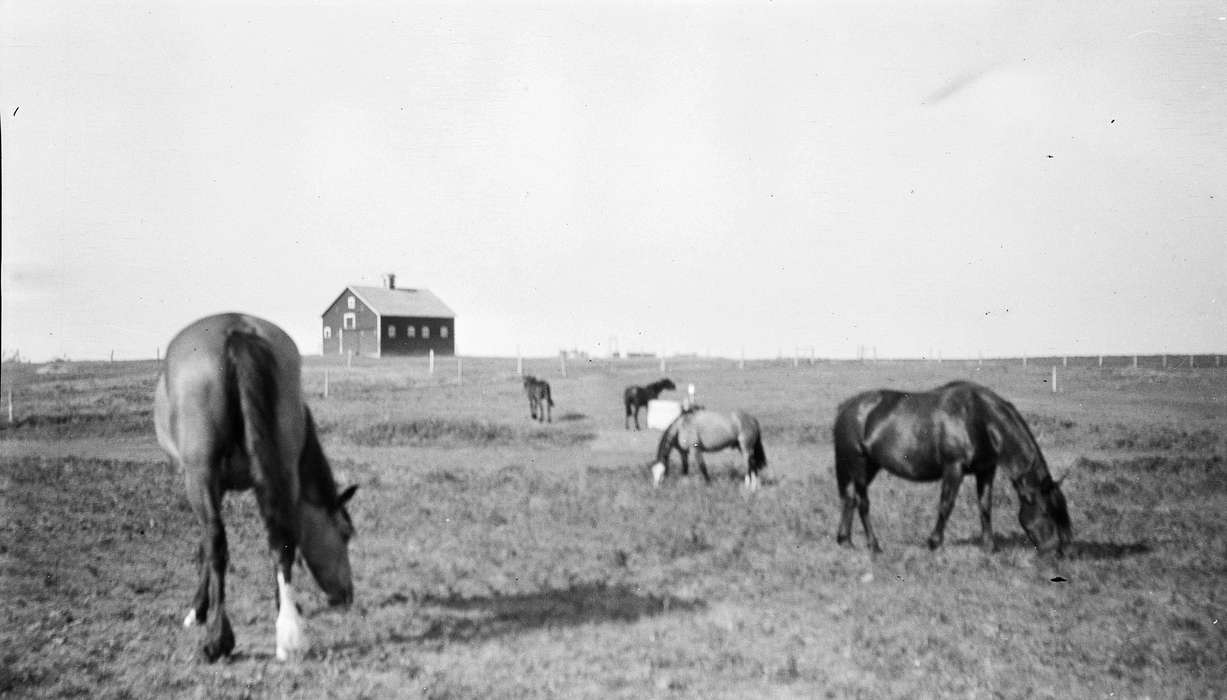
pixel 316 481
pixel 1022 437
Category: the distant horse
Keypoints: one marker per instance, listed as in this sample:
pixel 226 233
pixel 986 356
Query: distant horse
pixel 960 428
pixel 229 412
pixel 540 400
pixel 637 397
pixel 698 431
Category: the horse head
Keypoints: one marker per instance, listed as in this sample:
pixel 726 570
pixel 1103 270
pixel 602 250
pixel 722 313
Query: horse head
pixel 1044 515
pixel 324 541
pixel 667 384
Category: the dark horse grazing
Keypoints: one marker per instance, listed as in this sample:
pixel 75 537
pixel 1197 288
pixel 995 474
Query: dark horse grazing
pixel 698 431
pixel 229 412
pixel 957 429
pixel 540 401
pixel 637 397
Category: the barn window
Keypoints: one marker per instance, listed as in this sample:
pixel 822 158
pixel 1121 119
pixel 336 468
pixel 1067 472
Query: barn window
pixel 349 321
pixel 350 302
pixel 391 331
pixel 425 331
pixel 327 332
pixel 442 331
pixel 410 332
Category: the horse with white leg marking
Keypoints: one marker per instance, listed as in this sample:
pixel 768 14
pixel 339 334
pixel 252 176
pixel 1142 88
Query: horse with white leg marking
pixel 697 431
pixel 637 397
pixel 228 410
pixel 957 429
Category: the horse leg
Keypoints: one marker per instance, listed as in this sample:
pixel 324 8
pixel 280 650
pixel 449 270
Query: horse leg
pixel 847 498
pixel 626 422
pixel 685 461
pixel 853 474
pixel 951 481
pixel 532 408
pixel 862 505
pixel 280 523
pixel 984 494
pixel 199 611
pixel 206 496
pixel 697 455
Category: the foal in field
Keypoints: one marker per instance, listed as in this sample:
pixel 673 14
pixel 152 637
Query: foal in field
pixel 540 400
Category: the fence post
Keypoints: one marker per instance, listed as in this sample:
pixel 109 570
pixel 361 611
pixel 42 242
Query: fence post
pixel 10 404
pixel 1164 360
pixel 1192 363
pixel 1065 361
pixel 1101 360
pixel 325 383
pixel 562 359
pixel 1054 379
pixel 432 360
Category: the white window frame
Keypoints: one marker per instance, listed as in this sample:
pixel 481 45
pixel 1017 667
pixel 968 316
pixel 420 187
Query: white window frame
pixel 351 303
pixel 391 330
pixel 349 321
pixel 425 332
pixel 327 332
pixel 443 332
pixel 410 331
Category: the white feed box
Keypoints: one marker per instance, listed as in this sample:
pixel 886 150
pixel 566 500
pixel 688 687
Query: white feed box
pixel 661 413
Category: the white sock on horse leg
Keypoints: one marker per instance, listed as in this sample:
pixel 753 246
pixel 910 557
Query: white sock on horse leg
pixel 658 473
pixel 190 620
pixel 290 636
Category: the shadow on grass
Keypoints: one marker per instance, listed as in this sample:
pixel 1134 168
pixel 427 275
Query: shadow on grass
pixel 454 618
pixel 571 416
pixel 1095 551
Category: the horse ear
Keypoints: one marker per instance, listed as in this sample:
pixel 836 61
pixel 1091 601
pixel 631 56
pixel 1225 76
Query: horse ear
pixel 346 495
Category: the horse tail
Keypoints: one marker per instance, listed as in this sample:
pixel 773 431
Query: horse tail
pixel 667 440
pixel 848 434
pixel 760 455
pixel 251 381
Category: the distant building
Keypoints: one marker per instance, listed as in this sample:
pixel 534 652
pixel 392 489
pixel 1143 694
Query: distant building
pixel 380 321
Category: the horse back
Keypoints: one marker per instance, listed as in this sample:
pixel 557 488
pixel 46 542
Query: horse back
pixel 197 410
pixel 916 435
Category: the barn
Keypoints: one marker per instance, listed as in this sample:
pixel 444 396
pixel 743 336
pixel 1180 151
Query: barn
pixel 387 320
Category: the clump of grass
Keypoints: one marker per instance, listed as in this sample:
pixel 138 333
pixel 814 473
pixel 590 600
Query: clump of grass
pixel 426 431
pixel 79 424
pixel 1160 438
pixel 458 431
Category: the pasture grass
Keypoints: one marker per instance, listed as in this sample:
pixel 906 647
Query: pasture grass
pixel 500 557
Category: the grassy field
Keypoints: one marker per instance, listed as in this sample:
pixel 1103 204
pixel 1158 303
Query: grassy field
pixel 497 557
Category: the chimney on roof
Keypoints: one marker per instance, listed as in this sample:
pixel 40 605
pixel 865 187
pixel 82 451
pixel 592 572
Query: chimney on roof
pixel 389 281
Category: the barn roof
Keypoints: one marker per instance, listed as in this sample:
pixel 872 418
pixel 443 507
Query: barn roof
pixel 402 302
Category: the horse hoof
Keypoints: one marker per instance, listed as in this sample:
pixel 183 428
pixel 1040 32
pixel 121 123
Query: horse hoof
pixel 934 543
pixel 844 541
pixel 214 649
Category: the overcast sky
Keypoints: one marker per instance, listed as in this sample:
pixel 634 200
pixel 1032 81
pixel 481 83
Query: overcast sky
pixel 963 177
